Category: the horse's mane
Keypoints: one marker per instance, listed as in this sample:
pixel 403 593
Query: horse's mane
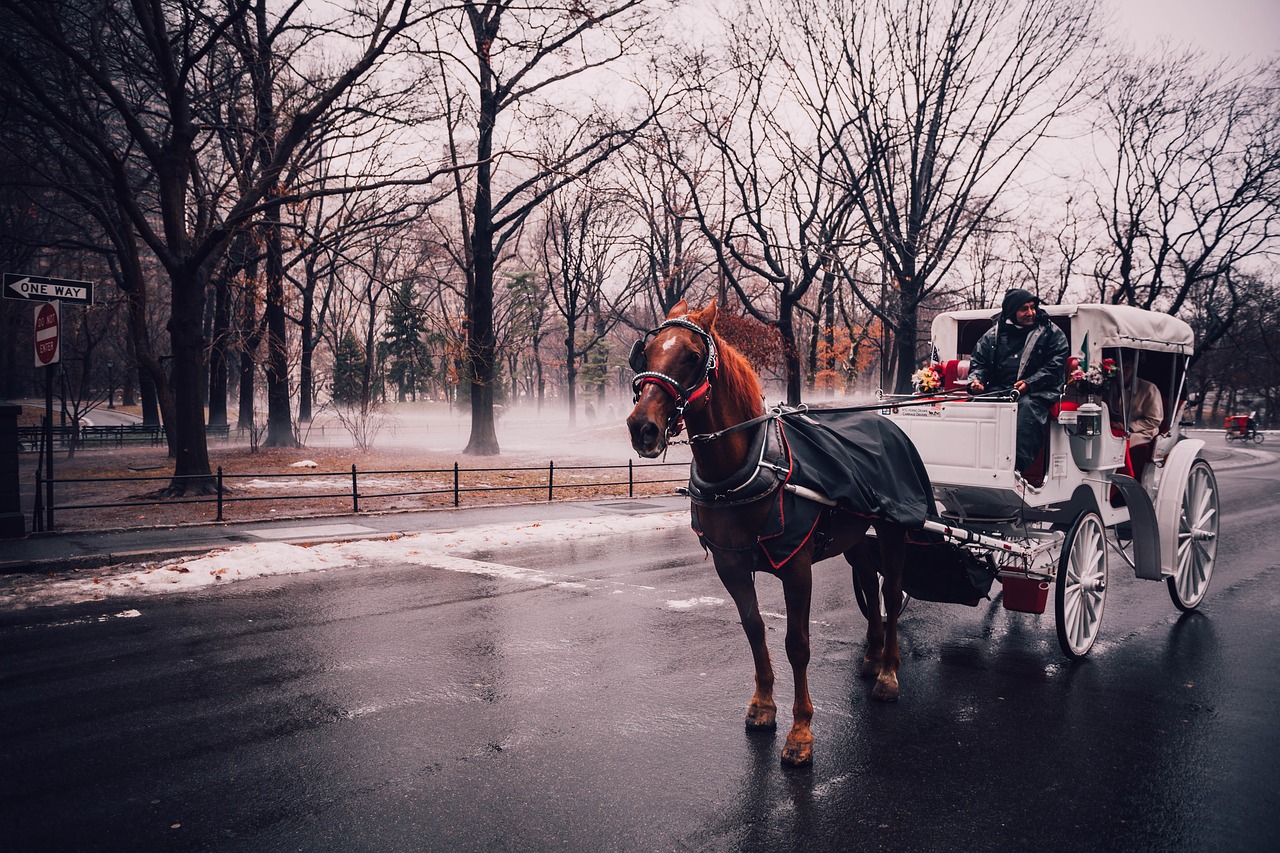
pixel 737 380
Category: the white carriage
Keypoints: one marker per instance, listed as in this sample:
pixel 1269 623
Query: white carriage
pixel 1049 530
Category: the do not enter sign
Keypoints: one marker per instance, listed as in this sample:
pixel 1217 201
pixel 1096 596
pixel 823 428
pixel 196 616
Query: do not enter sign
pixel 47 336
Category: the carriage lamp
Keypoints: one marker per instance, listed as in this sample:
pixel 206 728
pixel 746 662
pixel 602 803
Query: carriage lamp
pixel 1088 420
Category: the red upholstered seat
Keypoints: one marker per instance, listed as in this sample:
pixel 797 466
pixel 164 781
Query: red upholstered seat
pixel 955 375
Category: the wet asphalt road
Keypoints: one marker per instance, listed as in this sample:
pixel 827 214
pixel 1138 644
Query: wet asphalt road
pixel 600 708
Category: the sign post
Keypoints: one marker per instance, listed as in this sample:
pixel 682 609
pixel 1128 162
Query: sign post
pixel 49 293
pixel 48 351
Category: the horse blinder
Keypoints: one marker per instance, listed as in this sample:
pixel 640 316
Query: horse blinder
pixel 637 360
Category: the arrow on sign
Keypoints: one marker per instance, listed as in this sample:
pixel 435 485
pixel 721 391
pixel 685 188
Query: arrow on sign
pixel 40 289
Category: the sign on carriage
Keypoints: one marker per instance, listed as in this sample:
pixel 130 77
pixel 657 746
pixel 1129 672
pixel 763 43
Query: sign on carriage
pixel 35 288
pixel 48 337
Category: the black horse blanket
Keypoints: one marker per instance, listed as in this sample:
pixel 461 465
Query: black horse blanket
pixel 860 460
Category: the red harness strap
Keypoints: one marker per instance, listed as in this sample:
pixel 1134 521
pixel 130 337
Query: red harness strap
pixel 703 390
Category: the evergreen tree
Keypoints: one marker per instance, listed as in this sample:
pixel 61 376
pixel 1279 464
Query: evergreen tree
pixel 348 370
pixel 409 364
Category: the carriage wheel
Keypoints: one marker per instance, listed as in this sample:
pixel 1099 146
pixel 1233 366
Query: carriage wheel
pixel 1230 438
pixel 1081 588
pixel 1197 538
pixel 1258 437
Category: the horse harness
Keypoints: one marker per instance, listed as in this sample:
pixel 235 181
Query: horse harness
pixel 805 463
pixel 681 395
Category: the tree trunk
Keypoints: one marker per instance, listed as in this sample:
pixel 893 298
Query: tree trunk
pixel 153 382
pixel 906 331
pixel 790 353
pixel 306 375
pixel 191 472
pixel 481 341
pixel 218 349
pixel 571 374
pixel 251 332
pixel 279 417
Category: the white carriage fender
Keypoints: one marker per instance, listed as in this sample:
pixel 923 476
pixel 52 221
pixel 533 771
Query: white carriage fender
pixel 1173 480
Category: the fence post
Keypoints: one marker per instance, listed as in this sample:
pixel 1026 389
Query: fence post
pixel 551 478
pixel 455 484
pixel 37 513
pixel 631 479
pixel 355 493
pixel 219 493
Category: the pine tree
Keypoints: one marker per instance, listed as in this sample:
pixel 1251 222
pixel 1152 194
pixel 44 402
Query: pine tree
pixel 409 364
pixel 348 370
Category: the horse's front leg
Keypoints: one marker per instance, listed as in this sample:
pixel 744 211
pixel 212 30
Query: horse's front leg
pixel 892 541
pixel 797 589
pixel 762 711
pixel 866 576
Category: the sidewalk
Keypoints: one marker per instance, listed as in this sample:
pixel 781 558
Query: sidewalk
pixel 92 549
pixel 89 549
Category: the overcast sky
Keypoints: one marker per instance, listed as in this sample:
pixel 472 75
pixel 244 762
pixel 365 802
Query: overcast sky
pixel 1227 28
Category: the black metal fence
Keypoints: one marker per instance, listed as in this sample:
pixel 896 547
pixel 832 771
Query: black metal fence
pixel 225 493
pixel 30 439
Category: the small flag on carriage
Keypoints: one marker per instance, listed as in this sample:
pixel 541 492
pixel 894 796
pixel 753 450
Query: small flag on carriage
pixel 1084 353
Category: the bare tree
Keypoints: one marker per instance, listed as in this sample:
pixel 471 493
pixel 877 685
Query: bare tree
pixel 145 64
pixel 670 258
pixel 518 55
pixel 942 100
pixel 578 251
pixel 1193 183
pixel 770 206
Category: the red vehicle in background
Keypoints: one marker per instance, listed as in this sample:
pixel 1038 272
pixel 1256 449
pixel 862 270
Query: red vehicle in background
pixel 1243 428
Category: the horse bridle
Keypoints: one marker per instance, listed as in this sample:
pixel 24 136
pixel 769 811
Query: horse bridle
pixel 681 395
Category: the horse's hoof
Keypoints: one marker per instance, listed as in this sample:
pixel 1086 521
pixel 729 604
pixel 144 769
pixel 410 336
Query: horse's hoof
pixel 870 668
pixel 797 754
pixel 886 689
pixel 762 718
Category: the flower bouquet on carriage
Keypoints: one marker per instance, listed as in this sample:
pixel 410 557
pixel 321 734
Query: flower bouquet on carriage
pixel 928 379
pixel 1090 381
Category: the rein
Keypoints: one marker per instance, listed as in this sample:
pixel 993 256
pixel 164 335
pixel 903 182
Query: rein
pixel 683 396
pixel 887 403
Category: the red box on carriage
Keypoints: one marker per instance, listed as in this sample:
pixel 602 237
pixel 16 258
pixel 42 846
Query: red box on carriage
pixel 1026 595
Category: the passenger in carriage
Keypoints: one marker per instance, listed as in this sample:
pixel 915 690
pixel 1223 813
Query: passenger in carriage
pixel 1027 353
pixel 1138 402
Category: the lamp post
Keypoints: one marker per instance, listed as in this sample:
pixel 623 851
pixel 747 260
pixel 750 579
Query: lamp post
pixel 111 384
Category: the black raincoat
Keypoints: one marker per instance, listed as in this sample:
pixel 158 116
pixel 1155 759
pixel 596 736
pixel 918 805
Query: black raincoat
pixel 997 362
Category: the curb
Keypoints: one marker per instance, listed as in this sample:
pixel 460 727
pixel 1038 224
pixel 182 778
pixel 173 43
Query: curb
pixel 1255 459
pixel 89 562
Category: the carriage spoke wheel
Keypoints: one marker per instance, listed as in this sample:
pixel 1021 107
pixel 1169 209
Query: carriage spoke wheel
pixel 1197 538
pixel 1081 588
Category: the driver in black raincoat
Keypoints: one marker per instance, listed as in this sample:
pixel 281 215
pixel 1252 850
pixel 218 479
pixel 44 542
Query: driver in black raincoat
pixel 1025 352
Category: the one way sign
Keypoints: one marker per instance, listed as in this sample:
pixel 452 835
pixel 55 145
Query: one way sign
pixel 35 288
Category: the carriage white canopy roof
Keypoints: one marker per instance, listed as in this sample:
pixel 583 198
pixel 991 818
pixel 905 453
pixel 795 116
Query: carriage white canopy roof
pixel 1105 325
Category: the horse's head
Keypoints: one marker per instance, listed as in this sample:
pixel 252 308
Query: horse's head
pixel 674 366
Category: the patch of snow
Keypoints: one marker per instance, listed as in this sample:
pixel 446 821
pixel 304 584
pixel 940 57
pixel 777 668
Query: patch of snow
pixel 443 549
pixel 690 603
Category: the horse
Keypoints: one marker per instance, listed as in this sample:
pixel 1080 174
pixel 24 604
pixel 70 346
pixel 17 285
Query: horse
pixel 689 378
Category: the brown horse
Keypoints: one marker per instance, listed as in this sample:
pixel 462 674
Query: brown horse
pixel 688 376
